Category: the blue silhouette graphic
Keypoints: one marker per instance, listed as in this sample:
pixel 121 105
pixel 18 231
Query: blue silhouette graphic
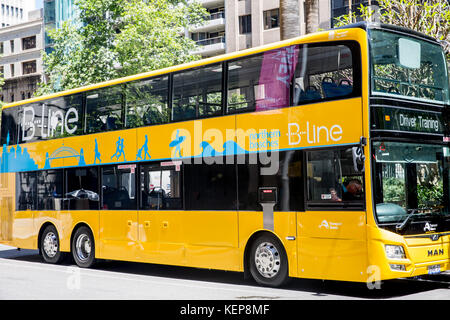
pixel 97 153
pixel 16 159
pixel 119 150
pixel 177 143
pixel 64 153
pixel 144 149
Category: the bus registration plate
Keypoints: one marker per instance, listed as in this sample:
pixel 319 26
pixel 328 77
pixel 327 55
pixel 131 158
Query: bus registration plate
pixel 434 269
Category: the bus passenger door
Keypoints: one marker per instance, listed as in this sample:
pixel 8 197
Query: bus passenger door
pixel 332 230
pixel 160 219
pixel 118 214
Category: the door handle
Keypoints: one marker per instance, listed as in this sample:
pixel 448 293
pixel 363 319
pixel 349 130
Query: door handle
pixel 165 224
pixel 129 223
pixel 147 224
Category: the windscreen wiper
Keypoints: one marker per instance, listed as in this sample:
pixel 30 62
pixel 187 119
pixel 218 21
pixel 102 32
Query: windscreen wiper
pixel 401 226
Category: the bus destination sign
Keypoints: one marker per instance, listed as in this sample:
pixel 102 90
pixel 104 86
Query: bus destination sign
pixel 406 120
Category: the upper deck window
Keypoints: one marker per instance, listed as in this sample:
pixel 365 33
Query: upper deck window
pixel 409 67
pixel 50 119
pixel 197 93
pixel 261 82
pixel 324 72
pixel 104 109
pixel 147 102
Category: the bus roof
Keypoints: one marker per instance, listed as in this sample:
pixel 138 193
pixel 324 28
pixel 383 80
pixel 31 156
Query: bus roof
pixel 376 25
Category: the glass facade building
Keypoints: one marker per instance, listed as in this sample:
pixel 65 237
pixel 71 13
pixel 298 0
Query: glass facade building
pixel 55 13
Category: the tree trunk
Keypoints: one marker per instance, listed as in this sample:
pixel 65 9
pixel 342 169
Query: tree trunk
pixel 289 19
pixel 312 15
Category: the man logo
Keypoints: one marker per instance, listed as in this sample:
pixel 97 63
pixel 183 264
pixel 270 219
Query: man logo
pixel 436 252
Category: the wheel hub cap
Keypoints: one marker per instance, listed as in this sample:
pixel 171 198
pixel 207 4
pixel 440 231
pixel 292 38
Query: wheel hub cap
pixel 50 244
pixel 267 260
pixel 83 247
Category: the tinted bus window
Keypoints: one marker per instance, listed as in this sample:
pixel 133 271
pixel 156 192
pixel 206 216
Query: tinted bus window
pixel 50 190
pixel 283 171
pixel 261 82
pixel 50 119
pixel 210 186
pixel 147 102
pixel 82 191
pixel 119 187
pixel 26 191
pixel 323 72
pixel 197 93
pixel 104 109
pixel 9 126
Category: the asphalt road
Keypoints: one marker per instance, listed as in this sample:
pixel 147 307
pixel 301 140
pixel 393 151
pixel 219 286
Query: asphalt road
pixel 23 276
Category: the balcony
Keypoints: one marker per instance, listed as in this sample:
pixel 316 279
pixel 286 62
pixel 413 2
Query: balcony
pixel 214 22
pixel 211 3
pixel 210 47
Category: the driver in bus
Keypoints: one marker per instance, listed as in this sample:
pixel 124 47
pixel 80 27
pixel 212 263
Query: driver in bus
pixel 352 190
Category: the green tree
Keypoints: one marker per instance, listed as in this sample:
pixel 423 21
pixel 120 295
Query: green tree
pixel 116 38
pixel 431 17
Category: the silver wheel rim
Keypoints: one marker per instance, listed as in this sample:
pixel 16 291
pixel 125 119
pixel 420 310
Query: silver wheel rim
pixel 267 260
pixel 51 244
pixel 83 247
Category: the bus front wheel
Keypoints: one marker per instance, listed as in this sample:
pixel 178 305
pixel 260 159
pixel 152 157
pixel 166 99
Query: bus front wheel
pixel 83 247
pixel 268 261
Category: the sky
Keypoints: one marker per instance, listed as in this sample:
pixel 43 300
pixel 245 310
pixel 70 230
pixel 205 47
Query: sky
pixel 39 4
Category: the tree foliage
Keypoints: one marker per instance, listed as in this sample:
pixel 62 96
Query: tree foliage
pixel 431 17
pixel 116 38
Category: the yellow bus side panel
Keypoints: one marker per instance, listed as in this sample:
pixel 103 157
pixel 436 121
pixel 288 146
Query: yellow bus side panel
pixel 7 206
pixel 251 222
pixel 332 245
pixel 201 239
pixel 23 230
pixel 118 234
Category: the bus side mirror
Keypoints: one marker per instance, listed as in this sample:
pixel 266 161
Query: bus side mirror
pixel 358 155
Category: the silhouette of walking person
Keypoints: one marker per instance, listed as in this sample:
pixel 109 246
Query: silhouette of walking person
pixel 119 150
pixel 144 149
pixel 97 153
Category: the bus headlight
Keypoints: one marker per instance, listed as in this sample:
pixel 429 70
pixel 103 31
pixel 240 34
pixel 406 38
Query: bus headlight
pixel 394 252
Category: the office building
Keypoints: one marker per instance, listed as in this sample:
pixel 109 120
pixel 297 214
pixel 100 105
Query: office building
pixel 55 13
pixel 14 11
pixel 21 58
pixel 234 25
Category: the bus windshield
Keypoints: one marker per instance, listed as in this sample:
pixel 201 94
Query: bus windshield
pixel 407 66
pixel 410 178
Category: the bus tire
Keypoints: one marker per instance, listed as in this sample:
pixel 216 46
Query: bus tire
pixel 268 261
pixel 50 245
pixel 83 247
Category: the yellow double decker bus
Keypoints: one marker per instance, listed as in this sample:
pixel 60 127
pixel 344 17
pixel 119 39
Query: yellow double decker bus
pixel 324 156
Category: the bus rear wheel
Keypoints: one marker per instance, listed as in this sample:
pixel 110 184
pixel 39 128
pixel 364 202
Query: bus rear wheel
pixel 49 245
pixel 268 261
pixel 83 247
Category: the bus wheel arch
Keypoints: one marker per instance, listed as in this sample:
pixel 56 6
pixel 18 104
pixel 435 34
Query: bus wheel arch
pixel 82 245
pixel 273 251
